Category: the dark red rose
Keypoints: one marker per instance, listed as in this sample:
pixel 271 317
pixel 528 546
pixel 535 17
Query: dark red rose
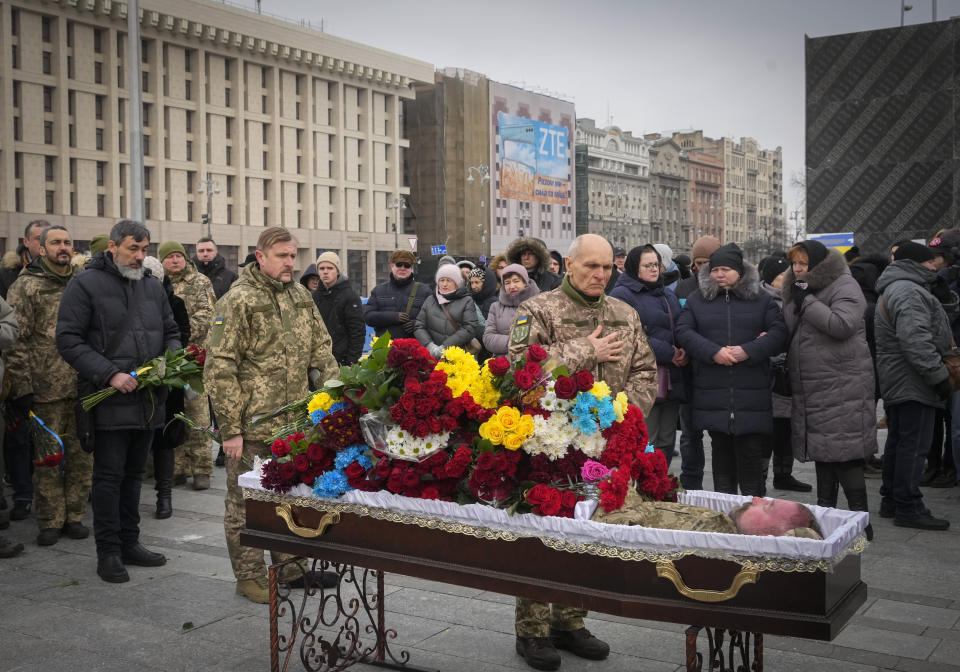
pixel 354 470
pixel 301 462
pixel 537 494
pixel 408 403
pixel 536 353
pixel 499 365
pixel 314 452
pixel 565 387
pixel 287 471
pixel 308 477
pixel 568 499
pixel 280 448
pixel 410 479
pixel 584 380
pixel 523 379
pixel 533 369
pixel 486 461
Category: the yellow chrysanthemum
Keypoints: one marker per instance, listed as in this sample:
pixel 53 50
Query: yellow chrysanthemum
pixel 620 403
pixel 513 441
pixel 508 417
pixel 492 431
pixel 600 389
pixel 321 401
pixel 462 370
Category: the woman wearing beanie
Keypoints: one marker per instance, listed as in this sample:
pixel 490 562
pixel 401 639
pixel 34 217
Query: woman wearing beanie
pixel 831 372
pixel 730 328
pixel 515 288
pixel 449 316
pixel 642 286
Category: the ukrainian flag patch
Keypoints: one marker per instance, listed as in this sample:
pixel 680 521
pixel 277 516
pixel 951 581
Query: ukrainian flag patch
pixel 521 330
pixel 218 321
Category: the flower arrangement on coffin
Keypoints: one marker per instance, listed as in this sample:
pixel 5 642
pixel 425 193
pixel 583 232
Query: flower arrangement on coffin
pixel 528 436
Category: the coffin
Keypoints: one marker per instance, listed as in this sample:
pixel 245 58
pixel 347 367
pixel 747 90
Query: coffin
pixel 781 586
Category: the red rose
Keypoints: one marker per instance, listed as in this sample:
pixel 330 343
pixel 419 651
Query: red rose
pixel 565 387
pixel 568 499
pixel 354 470
pixel 551 506
pixel 280 448
pixel 523 379
pixel 499 365
pixel 287 471
pixel 307 478
pixel 584 380
pixel 537 494
pixel 301 462
pixel 408 403
pixel 533 369
pixel 536 353
pixel 410 479
pixel 314 452
pixel 486 461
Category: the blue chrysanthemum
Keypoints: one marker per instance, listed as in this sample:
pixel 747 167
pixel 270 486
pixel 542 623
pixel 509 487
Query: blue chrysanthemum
pixel 605 413
pixel 331 484
pixel 348 455
pixel 316 416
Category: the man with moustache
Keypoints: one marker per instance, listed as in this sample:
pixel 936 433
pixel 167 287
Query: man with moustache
pixel 113 317
pixel 42 382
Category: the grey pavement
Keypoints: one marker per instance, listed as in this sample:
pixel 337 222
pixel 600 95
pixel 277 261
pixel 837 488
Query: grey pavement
pixel 56 614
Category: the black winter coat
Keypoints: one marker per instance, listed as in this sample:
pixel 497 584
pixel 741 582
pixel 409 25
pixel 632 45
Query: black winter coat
pixel 342 313
pixel 94 307
pixel 732 399
pixel 390 299
pixel 173 433
pixel 219 275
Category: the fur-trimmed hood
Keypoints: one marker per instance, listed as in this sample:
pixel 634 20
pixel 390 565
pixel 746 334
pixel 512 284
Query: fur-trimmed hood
pixel 11 260
pixel 521 245
pixel 747 287
pixel 820 276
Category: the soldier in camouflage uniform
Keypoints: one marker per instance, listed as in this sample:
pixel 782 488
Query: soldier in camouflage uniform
pixel 266 341
pixel 193 458
pixel 42 382
pixel 584 329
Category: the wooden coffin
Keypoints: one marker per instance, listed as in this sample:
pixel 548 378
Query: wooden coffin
pixel 762 597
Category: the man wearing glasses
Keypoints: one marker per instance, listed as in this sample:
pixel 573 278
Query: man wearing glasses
pixel 393 306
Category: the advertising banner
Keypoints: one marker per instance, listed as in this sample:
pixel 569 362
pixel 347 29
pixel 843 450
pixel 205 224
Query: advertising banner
pixel 533 160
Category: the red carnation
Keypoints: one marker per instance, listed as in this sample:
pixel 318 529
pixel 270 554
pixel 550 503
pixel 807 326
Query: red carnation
pixel 536 353
pixel 523 379
pixel 499 365
pixel 565 387
pixel 280 448
pixel 584 380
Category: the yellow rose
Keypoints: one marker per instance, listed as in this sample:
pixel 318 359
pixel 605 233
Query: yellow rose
pixel 508 418
pixel 525 426
pixel 495 434
pixel 512 441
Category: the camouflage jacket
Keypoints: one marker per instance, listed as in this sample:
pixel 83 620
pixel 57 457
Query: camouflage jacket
pixel 561 320
pixel 197 293
pixel 34 364
pixel 265 336
pixel 666 516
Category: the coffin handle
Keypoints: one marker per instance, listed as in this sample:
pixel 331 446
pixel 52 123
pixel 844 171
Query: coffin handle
pixel 285 511
pixel 666 570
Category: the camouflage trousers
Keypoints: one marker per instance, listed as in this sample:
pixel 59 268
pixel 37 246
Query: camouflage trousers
pixel 535 619
pixel 247 561
pixel 61 493
pixel 194 456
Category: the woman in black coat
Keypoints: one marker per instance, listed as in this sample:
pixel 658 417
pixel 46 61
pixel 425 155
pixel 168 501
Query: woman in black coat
pixel 730 328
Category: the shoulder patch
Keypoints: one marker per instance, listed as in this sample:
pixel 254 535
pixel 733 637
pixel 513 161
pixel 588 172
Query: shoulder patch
pixel 218 321
pixel 521 330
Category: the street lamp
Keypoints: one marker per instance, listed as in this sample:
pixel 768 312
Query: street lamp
pixel 398 203
pixel 483 174
pixel 210 187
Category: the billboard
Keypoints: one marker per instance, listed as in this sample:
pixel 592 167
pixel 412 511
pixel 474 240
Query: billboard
pixel 533 160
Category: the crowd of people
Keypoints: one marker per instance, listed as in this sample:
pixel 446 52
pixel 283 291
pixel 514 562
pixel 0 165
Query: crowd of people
pixel 780 361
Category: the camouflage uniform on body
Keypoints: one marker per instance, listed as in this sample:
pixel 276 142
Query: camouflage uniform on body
pixel 265 336
pixel 666 516
pixel 560 321
pixel 36 367
pixel 194 456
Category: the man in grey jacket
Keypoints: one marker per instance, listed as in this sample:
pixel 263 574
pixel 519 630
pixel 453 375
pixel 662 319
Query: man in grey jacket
pixel 913 332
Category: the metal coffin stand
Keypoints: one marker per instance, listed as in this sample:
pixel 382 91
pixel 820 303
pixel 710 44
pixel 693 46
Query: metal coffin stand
pixel 710 593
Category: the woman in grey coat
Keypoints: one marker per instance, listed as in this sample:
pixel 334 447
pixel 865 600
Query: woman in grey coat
pixel 449 316
pixel 515 288
pixel 831 372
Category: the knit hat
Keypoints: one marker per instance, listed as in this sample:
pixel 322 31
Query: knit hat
pixel 816 252
pixel 517 269
pixel 447 259
pixel 451 272
pixel 666 254
pixel 728 255
pixel 399 256
pixel 168 248
pixel 704 247
pixel 330 258
pixel 913 251
pixel 557 257
pixel 99 243
pixel 249 259
pixel 156 268
pixel 682 260
pixel 477 273
pixel 772 267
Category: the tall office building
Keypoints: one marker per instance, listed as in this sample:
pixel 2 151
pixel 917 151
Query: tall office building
pixel 294 127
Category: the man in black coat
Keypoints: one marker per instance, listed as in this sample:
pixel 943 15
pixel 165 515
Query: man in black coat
pixel 113 318
pixel 341 310
pixel 211 264
pixel 393 305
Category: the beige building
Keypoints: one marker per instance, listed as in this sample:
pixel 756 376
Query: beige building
pixel 296 127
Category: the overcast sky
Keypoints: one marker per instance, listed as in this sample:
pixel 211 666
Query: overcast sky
pixel 730 67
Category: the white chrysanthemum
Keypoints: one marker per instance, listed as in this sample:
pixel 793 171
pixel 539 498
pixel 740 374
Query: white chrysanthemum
pixel 551 436
pixel 404 445
pixel 550 401
pixel 592 445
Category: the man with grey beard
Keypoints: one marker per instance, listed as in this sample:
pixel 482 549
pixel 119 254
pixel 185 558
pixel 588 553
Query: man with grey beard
pixel 113 317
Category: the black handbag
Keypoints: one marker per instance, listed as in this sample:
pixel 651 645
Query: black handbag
pixel 780 369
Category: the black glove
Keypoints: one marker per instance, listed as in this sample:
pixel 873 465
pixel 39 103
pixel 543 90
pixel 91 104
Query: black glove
pixel 943 389
pixel 410 327
pixel 941 290
pixel 22 406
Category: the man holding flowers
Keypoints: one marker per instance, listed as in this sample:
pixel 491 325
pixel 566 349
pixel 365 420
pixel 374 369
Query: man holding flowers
pixel 113 317
pixel 585 330
pixel 267 345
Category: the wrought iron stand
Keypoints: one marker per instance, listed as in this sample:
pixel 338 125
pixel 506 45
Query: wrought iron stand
pixel 739 644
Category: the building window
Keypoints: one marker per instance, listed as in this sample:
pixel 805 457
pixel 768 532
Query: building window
pixel 266 216
pixel 145 85
pixel 45 28
pixel 100 139
pixel 186 62
pixel 228 128
pixel 266 194
pixel 187 92
pixel 48 132
pixel 147 175
pixel 147 207
pixel 48 168
pixel 98 72
pixel 263 78
pixel 264 160
pixel 101 165
pixel 146 145
pixel 263 104
pixel 15 57
pixel 226 97
pixel 47 60
pixel 189 122
pixel 98 106
pixel 229 213
pixel 226 70
pixel 189 211
pixel 189 150
pixel 98 41
pixel 146 114
pixel 49 202
pixel 101 201
pixel 229 156
pixel 15 22
pixel 144 51
pixel 47 99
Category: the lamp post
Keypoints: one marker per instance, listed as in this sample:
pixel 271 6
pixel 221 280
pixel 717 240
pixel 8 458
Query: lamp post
pixel 398 203
pixel 209 187
pixel 483 175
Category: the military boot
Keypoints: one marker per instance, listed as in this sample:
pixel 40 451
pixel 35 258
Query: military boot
pixel 256 590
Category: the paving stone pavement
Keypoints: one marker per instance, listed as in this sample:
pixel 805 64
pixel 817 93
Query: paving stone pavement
pixel 56 614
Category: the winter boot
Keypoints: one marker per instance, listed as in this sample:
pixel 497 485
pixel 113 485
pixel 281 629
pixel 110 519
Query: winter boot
pixel 163 459
pixel 828 487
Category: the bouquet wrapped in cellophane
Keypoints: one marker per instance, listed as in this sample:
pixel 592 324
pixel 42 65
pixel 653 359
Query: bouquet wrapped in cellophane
pixel 175 368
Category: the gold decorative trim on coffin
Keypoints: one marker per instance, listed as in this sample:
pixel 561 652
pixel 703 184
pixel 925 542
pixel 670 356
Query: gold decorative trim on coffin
pixel 760 564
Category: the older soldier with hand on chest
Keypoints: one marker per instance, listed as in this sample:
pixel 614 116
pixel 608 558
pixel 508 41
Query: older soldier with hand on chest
pixel 266 342
pixel 584 329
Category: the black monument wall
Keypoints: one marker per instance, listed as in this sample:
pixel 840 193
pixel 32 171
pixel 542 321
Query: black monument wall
pixel 881 139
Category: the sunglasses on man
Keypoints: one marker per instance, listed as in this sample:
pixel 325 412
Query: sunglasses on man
pixel 403 264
